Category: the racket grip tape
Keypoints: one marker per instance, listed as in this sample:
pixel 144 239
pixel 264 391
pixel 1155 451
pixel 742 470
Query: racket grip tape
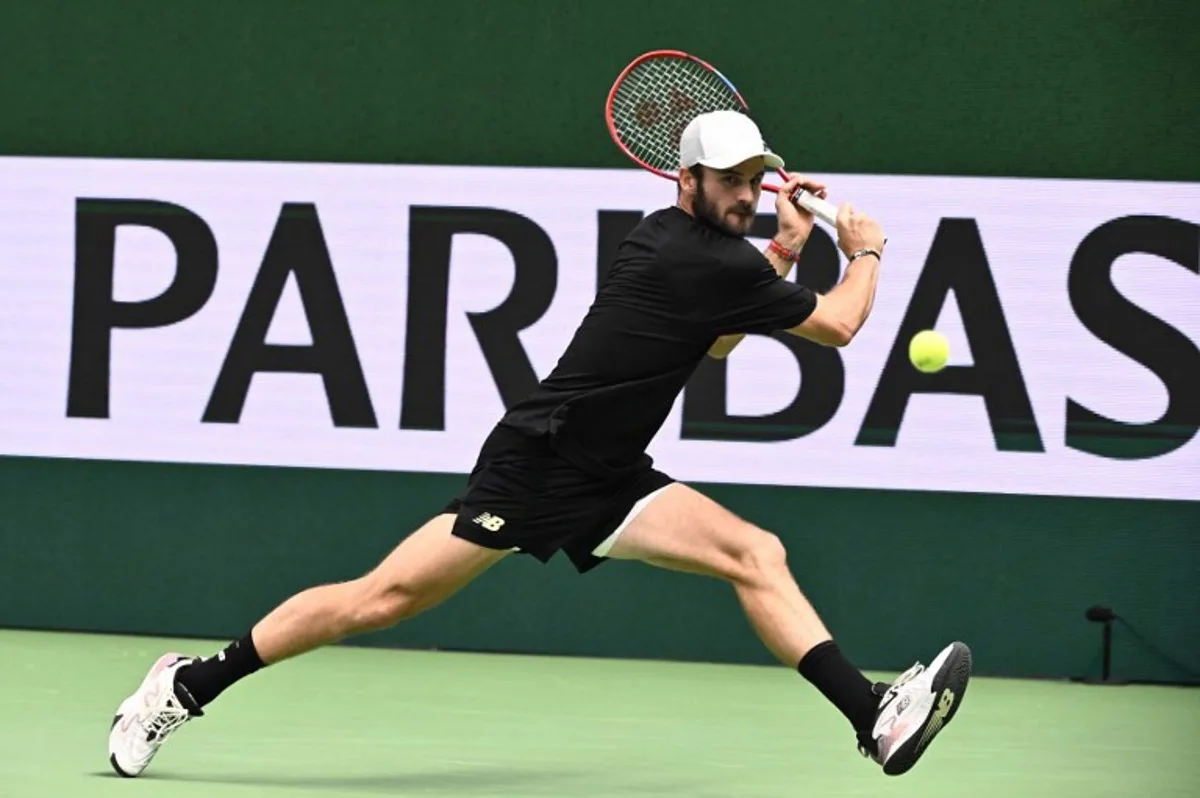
pixel 820 208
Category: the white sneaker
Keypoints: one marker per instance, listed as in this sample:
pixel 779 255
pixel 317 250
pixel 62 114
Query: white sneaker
pixel 145 719
pixel 916 707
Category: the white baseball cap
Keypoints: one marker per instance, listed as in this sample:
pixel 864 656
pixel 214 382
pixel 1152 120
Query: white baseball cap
pixel 722 140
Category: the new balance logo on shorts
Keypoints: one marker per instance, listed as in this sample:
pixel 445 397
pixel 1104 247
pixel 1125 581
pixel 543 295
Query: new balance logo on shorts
pixel 491 523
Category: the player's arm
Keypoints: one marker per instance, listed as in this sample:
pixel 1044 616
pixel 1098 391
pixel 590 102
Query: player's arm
pixel 841 313
pixel 782 264
pixel 795 226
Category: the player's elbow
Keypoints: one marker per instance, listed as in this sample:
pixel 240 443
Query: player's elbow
pixel 827 330
pixel 829 324
pixel 840 334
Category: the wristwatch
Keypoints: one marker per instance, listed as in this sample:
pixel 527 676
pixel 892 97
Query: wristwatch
pixel 866 251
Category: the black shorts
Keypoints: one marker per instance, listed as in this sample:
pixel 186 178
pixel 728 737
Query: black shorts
pixel 523 495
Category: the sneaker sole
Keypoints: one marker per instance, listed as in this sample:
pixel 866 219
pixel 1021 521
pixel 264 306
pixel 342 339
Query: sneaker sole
pixel 166 660
pixel 949 687
pixel 112 760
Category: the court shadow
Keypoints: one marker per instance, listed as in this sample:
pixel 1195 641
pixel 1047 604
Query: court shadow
pixel 467 781
pixel 476 780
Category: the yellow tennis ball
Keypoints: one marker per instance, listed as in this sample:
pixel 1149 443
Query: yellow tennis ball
pixel 929 351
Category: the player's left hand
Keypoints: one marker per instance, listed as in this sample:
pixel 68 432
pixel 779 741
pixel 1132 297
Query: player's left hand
pixel 795 223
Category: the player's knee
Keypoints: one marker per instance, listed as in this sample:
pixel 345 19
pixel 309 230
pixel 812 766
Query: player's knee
pixel 382 606
pixel 763 556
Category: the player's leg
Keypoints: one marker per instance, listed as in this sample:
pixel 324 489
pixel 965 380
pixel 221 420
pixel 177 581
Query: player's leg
pixel 683 530
pixel 424 570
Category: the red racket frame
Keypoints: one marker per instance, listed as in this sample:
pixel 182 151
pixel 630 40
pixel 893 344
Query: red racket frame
pixel 818 206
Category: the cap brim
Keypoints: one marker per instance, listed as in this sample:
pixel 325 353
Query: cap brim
pixel 770 160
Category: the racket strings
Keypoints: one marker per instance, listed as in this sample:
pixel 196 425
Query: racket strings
pixel 657 99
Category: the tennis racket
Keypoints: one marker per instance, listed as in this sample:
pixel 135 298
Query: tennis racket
pixel 656 96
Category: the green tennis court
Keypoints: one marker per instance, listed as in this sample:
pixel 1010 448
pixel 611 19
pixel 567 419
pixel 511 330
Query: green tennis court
pixel 356 721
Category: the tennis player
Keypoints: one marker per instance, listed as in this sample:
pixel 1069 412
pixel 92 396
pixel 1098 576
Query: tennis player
pixel 566 469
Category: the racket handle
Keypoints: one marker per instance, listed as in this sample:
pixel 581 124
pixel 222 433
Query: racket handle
pixel 820 208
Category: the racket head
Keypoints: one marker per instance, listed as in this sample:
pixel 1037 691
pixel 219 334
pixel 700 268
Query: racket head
pixel 654 99
pixel 658 94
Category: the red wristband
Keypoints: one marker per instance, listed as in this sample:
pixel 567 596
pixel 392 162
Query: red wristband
pixel 782 251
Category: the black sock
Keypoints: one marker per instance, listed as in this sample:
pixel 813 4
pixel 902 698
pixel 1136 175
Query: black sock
pixel 839 681
pixel 208 678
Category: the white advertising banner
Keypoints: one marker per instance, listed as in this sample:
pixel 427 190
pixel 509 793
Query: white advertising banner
pixel 376 317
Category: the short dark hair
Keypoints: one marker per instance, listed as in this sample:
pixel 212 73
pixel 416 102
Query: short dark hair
pixel 697 171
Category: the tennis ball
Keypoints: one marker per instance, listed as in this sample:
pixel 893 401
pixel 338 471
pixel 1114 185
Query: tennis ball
pixel 929 351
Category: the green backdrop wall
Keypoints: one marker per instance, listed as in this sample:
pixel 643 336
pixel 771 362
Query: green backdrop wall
pixel 1017 89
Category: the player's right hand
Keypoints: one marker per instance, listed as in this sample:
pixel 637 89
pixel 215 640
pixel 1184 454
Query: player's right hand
pixel 857 231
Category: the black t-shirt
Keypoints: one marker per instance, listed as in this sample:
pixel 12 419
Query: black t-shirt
pixel 676 285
